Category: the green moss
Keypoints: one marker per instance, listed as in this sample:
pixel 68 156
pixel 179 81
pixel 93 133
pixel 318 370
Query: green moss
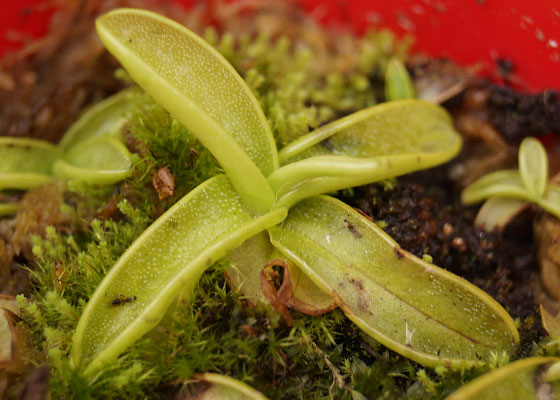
pixel 163 142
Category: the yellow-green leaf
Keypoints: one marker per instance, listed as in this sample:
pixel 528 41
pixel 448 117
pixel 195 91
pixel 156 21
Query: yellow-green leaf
pixel 415 308
pixel 8 209
pixel 398 85
pixel 99 160
pixel 521 380
pixel 380 142
pixel 247 261
pixel 104 118
pixel 26 163
pixel 222 387
pixel 201 89
pixel 533 166
pixel 167 258
pixel 504 183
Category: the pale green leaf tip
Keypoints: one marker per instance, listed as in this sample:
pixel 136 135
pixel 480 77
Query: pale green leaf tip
pixel 233 387
pixel 398 85
pixel 533 166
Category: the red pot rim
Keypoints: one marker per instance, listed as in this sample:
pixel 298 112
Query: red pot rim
pixel 527 34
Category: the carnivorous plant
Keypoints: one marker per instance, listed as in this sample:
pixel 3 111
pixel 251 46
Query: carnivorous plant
pixel 271 205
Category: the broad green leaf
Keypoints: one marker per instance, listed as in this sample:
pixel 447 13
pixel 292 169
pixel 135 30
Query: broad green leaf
pixel 98 160
pixel 201 89
pixel 415 308
pixel 398 85
pixel 8 209
pixel 222 387
pixel 496 212
pixel 104 118
pixel 168 257
pixel 26 163
pixel 380 142
pixel 504 183
pixel 297 290
pixel 521 380
pixel 533 166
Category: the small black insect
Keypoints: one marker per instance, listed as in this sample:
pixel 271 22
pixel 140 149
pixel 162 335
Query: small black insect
pixel 121 300
pixel 352 229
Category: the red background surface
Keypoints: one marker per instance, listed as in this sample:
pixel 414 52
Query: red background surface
pixel 468 31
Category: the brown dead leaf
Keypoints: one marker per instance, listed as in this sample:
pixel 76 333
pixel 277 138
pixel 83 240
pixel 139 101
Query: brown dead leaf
pixel 38 209
pixel 268 276
pixel 164 183
pixel 8 318
pixel 12 362
pixel 546 230
pixel 300 293
pixel 296 290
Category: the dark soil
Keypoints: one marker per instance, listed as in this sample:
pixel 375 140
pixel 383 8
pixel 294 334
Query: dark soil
pixel 516 115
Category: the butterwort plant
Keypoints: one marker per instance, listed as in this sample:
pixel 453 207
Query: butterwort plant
pixel 271 204
pixel 91 151
pixel 508 191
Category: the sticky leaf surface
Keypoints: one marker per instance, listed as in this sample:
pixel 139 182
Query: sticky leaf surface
pixel 417 309
pixel 380 142
pixel 167 258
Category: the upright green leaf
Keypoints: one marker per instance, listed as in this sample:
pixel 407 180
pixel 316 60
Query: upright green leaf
pixel 533 166
pixel 415 308
pixel 167 258
pixel 398 85
pixel 521 380
pixel 25 163
pixel 201 89
pixel 380 142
